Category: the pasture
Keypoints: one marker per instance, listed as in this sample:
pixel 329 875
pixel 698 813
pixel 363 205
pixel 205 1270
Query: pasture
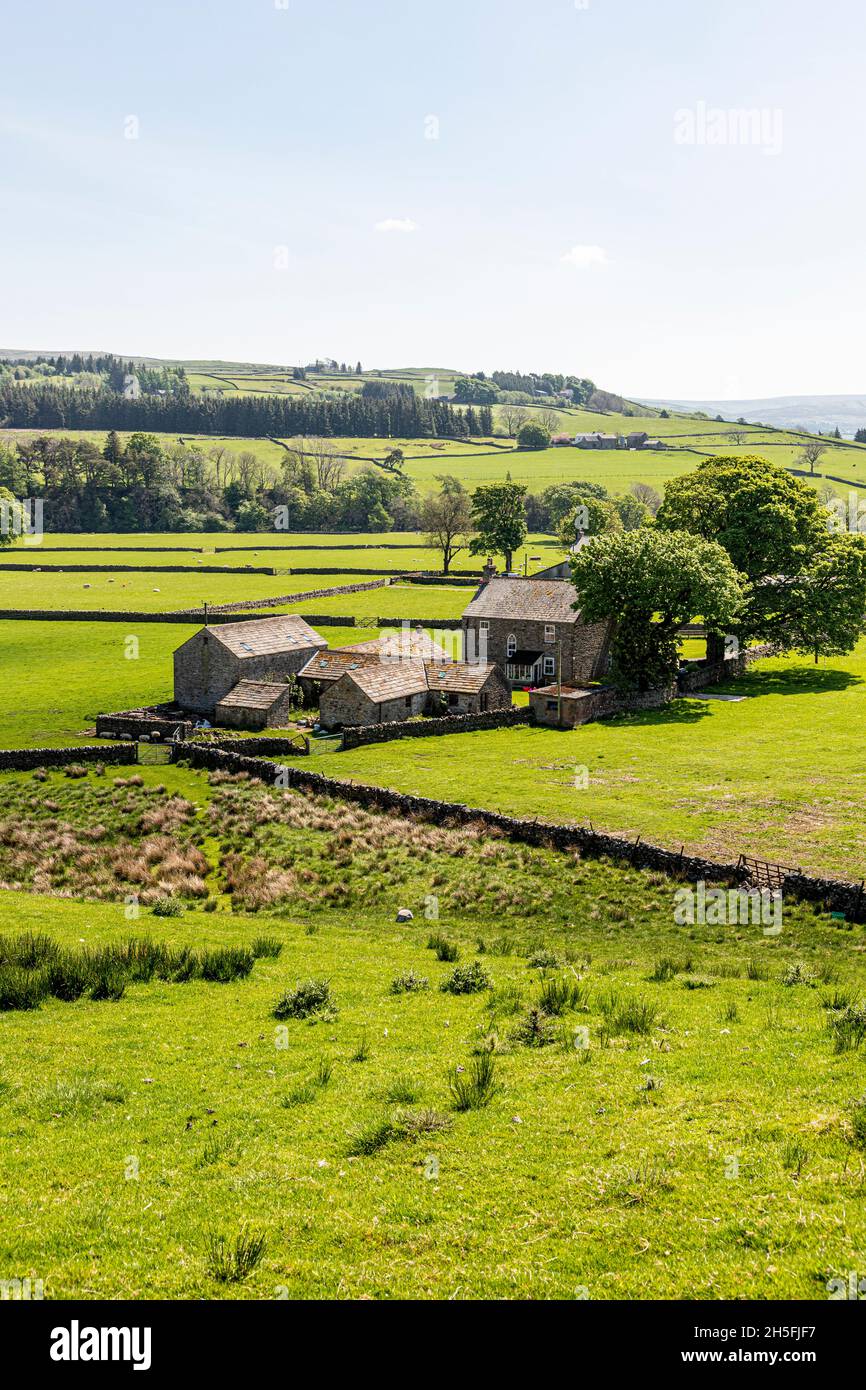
pixel 626 1108
pixel 775 775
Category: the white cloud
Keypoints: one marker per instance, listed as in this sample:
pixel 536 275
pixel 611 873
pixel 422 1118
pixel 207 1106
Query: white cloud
pixel 585 256
pixel 397 224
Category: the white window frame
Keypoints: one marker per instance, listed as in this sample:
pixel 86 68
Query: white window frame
pixel 550 666
pixel 510 645
pixel 483 625
pixel 549 632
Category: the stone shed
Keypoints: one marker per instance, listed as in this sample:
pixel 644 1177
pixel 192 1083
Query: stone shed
pixel 215 659
pixel 255 705
pixel 463 687
pixel 375 693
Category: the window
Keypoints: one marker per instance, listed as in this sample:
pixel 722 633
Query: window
pixel 483 703
pixel 453 697
pixel 549 632
pixel 483 625
pixel 550 705
pixel 510 644
pixel 408 701
pixel 550 665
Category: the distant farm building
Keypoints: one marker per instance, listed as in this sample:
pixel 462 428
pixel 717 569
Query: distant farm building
pixel 131 387
pixel 529 629
pixel 216 659
pixel 638 439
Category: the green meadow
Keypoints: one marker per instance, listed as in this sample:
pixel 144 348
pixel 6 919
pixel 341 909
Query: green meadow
pixel 777 775
pixel 621 1108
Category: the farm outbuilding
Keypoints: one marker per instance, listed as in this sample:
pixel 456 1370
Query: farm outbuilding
pixel 215 659
pixel 255 705
pixel 375 693
pixel 325 668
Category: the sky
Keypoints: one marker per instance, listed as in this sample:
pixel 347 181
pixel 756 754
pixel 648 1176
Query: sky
pixel 666 197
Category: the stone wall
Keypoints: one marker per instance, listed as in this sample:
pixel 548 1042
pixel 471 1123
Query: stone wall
pixel 25 759
pixel 428 728
pixel 694 675
pixel 264 746
pixel 132 723
pixel 638 853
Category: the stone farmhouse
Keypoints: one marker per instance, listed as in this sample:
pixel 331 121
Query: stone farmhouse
pixel 529 629
pixel 216 659
pixel 638 439
pixel 383 690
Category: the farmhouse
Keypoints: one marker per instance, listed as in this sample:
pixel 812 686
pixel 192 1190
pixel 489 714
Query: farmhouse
pixel 215 659
pixel 596 441
pixel 529 629
pixel 383 691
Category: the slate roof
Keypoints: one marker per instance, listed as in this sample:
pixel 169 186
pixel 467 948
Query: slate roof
pixel 330 666
pixel 389 680
pixel 416 643
pixel 465 677
pixel 254 694
pixel 266 636
pixel 527 600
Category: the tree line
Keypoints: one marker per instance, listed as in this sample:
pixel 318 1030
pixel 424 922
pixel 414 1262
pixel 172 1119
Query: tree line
pixel 51 405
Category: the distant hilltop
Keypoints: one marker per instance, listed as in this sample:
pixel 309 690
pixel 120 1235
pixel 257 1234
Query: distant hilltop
pixel 817 414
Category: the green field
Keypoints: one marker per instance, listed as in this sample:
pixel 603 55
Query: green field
pixel 686 1126
pixel 776 775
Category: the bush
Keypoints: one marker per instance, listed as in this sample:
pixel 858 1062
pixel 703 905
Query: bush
pixel 535 1030
pixel 108 980
pixel 467 979
pixel 559 993
pixel 544 959
pixel 168 907
pixel 445 949
pixel 307 998
pixel 409 983
pixel 532 435
pixel 29 950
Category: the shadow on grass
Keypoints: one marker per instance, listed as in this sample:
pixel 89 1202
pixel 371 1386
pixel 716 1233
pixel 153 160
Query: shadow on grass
pixel 796 680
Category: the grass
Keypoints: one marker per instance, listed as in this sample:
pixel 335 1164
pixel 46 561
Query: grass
pixel 375 1181
pixel 720 778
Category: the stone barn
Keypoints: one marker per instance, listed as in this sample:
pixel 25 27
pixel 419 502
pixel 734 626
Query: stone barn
pixel 215 659
pixel 463 687
pixel 375 693
pixel 325 668
pixel 255 705
pixel 529 629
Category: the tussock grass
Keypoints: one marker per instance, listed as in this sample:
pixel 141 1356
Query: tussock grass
pixel 474 1088
pixel 231 1261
